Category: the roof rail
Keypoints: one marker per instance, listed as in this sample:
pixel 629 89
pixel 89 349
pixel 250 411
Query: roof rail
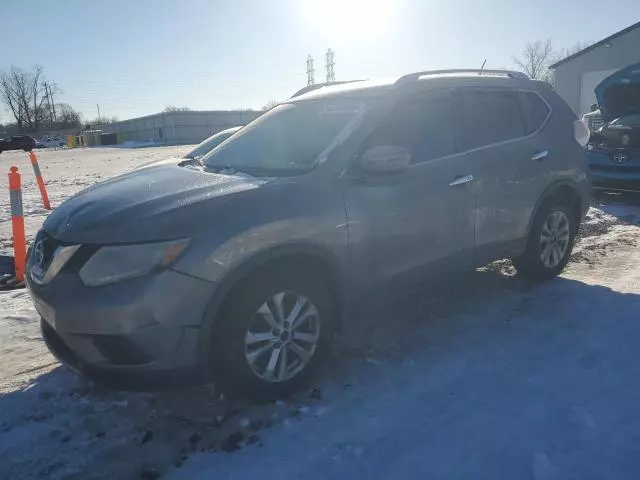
pixel 414 77
pixel 316 86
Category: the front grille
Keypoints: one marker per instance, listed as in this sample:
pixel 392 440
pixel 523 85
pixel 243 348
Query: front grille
pixel 49 246
pixel 46 245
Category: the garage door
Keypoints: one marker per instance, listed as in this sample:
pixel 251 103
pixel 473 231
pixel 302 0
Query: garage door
pixel 589 81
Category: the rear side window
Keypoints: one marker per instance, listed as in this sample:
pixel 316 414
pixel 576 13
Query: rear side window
pixel 535 111
pixel 489 116
pixel 422 123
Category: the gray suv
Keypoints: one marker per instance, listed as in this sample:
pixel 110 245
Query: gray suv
pixel 239 267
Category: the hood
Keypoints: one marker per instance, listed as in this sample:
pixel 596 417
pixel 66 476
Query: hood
pixel 618 95
pixel 156 163
pixel 155 203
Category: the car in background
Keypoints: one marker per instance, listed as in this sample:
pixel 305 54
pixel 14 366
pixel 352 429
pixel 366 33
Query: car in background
pixel 614 149
pixel 240 267
pixel 194 156
pixel 210 143
pixel 17 142
pixel 51 142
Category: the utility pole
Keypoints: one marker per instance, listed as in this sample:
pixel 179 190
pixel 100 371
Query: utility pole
pixel 99 121
pixel 53 104
pixel 310 71
pixel 329 63
pixel 47 95
pixel 50 103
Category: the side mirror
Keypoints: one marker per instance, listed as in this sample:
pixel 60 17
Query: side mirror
pixel 385 159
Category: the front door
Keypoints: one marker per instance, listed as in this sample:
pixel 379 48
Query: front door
pixel 409 225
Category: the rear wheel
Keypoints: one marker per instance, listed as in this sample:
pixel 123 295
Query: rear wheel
pixel 273 333
pixel 550 242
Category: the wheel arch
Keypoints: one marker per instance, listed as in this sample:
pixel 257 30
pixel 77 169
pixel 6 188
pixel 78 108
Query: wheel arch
pixel 565 189
pixel 310 257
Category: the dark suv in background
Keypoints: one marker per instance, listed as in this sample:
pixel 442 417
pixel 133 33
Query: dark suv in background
pixel 17 142
pixel 240 267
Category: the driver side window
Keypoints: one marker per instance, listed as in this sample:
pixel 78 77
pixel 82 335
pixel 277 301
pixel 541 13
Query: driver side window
pixel 422 123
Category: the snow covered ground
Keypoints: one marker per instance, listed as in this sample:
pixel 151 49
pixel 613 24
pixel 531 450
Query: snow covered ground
pixel 485 377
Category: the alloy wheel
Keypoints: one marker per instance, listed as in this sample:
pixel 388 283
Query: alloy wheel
pixel 554 239
pixel 282 337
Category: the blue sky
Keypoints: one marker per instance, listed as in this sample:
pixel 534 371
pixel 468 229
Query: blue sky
pixel 135 57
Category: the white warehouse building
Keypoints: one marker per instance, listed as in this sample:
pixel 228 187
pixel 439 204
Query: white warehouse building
pixel 174 128
pixel 576 76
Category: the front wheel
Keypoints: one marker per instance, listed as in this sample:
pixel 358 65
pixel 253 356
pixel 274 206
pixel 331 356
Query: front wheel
pixel 550 242
pixel 273 334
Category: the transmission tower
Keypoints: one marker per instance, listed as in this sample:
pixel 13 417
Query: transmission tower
pixel 331 75
pixel 310 71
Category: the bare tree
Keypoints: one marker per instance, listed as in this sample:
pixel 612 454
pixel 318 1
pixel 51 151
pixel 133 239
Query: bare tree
pixel 536 58
pixel 173 108
pixel 24 93
pixel 567 52
pixel 270 104
pixel 12 91
pixel 66 116
pixel 97 123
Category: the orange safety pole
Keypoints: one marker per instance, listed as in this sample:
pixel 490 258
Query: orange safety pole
pixel 41 185
pixel 17 222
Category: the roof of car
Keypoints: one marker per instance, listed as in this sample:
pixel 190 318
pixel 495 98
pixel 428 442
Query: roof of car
pixel 379 87
pixel 355 88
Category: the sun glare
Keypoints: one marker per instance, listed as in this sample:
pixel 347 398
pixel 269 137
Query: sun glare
pixel 348 19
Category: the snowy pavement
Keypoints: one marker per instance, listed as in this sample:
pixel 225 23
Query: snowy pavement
pixel 487 377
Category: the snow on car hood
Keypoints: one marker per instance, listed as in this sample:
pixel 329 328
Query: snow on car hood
pixel 618 95
pixel 156 163
pixel 154 203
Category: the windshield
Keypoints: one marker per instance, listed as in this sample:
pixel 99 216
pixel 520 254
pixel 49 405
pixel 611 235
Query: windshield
pixel 210 143
pixel 290 139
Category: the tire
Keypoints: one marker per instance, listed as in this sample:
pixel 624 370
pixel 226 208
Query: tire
pixel 235 340
pixel 542 260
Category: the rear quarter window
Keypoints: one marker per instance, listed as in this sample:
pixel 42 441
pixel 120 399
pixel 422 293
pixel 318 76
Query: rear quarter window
pixel 535 111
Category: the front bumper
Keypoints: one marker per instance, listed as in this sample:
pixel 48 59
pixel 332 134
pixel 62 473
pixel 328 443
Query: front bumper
pixel 607 174
pixel 140 333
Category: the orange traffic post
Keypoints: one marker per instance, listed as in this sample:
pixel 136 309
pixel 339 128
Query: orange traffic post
pixel 41 185
pixel 17 222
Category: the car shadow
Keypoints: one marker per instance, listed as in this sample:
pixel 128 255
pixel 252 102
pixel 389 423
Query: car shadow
pixel 491 298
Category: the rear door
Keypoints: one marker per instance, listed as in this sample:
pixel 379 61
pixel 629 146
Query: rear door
pixel 501 130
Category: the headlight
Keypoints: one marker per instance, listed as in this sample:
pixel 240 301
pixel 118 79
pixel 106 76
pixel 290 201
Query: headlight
pixel 117 263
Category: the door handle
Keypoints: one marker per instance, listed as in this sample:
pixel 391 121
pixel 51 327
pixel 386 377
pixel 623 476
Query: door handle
pixel 461 180
pixel 540 155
